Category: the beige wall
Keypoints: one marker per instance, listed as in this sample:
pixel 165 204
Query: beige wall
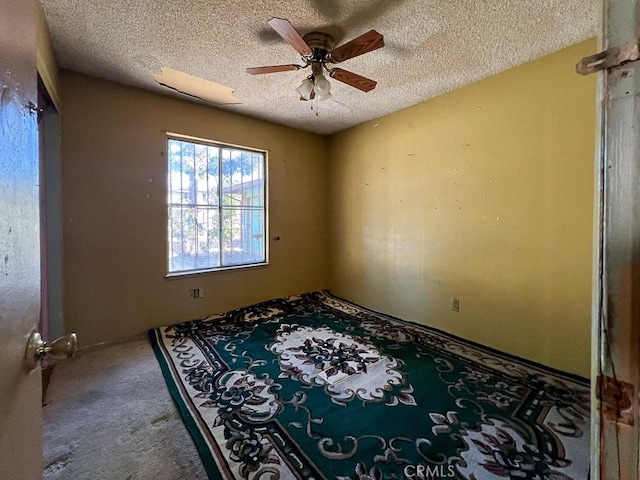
pixel 113 147
pixel 484 194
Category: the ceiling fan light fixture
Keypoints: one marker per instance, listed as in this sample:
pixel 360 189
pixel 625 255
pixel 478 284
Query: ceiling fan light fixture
pixel 324 96
pixel 305 88
pixel 322 86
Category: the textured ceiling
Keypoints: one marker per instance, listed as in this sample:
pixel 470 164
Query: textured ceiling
pixel 432 46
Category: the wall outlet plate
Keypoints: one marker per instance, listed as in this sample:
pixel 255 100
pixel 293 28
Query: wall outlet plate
pixel 196 293
pixel 455 305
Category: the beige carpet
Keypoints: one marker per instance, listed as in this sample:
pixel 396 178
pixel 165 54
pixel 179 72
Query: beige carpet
pixel 108 415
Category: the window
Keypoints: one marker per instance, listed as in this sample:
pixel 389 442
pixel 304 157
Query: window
pixel 216 206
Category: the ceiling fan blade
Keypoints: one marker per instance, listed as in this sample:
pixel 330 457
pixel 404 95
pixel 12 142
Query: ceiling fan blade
pixel 272 69
pixel 290 35
pixel 367 42
pixel 353 79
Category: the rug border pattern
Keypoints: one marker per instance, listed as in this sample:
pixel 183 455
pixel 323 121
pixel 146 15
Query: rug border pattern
pixel 215 463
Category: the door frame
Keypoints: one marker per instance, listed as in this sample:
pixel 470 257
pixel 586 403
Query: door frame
pixel 615 369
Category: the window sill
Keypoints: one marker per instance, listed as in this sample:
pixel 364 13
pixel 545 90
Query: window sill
pixel 208 271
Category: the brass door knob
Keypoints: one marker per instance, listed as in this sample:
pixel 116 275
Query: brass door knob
pixel 63 347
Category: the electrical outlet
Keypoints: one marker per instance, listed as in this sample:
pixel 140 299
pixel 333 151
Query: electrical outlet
pixel 455 305
pixel 196 293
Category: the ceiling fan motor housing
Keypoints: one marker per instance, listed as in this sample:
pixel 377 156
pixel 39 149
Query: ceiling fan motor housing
pixel 321 44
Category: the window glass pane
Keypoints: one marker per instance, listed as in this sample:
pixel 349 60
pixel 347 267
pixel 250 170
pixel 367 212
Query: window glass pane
pixel 212 174
pixel 200 175
pixel 208 247
pixel 243 238
pixel 183 239
pixel 251 188
pixel 242 178
pixel 257 176
pixel 216 199
pixel 175 171
pixel 229 195
pixel 189 188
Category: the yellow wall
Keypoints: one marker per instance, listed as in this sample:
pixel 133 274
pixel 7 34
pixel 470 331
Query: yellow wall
pixel 113 147
pixel 46 60
pixel 484 194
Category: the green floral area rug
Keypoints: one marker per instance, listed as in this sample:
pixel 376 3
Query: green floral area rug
pixel 314 387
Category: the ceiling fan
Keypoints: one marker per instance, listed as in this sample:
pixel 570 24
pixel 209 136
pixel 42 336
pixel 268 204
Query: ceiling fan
pixel 317 51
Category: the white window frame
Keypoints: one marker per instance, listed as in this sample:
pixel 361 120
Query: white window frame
pixel 265 208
